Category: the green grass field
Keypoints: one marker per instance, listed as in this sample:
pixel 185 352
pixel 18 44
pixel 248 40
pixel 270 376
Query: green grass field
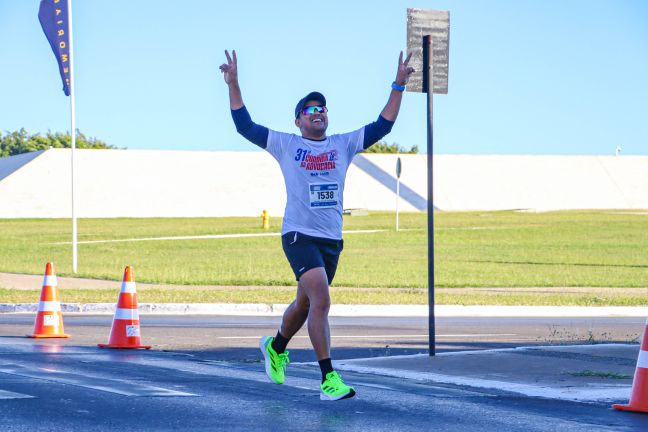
pixel 269 295
pixel 474 249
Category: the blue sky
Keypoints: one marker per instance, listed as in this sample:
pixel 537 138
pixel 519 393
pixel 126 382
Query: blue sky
pixel 526 77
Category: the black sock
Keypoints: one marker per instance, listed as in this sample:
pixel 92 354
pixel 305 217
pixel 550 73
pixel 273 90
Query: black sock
pixel 326 366
pixel 279 343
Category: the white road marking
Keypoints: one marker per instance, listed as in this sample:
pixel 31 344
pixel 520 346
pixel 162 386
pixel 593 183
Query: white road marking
pixel 122 387
pixel 212 236
pixel 11 395
pixel 219 369
pixel 419 336
pixel 475 228
pixel 364 384
pixel 304 388
pixel 11 345
pixel 467 228
pixel 475 335
pixel 90 355
pixel 205 368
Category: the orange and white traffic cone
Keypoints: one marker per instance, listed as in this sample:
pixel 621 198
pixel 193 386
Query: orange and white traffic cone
pixel 639 397
pixel 49 320
pixel 125 332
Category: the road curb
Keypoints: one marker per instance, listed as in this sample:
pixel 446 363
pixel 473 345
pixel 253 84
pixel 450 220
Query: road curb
pixel 569 391
pixel 261 309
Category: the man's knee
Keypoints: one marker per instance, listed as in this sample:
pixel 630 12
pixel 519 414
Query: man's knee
pixel 321 304
pixel 315 288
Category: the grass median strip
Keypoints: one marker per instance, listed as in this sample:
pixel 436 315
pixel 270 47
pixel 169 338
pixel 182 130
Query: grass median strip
pixel 472 249
pixel 375 296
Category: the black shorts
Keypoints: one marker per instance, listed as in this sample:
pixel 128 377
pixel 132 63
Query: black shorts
pixel 306 252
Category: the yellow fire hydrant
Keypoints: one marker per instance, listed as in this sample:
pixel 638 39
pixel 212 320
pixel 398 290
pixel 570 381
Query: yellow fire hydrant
pixel 265 217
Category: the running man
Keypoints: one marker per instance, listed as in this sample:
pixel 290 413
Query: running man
pixel 314 167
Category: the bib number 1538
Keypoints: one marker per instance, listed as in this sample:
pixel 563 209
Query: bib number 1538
pixel 323 195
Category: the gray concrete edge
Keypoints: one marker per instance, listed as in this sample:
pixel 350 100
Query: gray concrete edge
pixel 261 309
pixel 583 394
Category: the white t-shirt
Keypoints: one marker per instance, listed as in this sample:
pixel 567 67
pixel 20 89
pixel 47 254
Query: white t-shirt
pixel 314 174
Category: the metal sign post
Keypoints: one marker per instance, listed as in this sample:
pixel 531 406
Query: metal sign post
pixel 428 70
pixel 428 34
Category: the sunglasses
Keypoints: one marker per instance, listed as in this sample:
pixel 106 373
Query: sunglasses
pixel 313 109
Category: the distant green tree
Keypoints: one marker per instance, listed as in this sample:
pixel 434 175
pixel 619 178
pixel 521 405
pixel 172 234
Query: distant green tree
pixel 383 147
pixel 14 143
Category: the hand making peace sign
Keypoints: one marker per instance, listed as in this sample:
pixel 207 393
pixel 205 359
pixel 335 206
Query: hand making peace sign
pixel 230 70
pixel 404 71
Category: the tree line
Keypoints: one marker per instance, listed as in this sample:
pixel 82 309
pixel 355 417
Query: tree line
pixel 18 142
pixel 383 147
pixel 14 143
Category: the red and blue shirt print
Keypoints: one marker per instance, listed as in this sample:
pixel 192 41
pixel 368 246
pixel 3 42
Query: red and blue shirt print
pixel 314 174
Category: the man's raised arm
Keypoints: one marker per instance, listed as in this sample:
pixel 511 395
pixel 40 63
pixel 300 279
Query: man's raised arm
pixel 377 130
pixel 251 131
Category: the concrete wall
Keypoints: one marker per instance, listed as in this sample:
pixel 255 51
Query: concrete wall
pixel 544 182
pixel 147 183
pixel 139 183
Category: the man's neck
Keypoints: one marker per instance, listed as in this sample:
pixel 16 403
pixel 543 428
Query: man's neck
pixel 315 138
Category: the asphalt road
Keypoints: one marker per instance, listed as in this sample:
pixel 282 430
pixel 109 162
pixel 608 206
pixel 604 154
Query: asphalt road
pixel 236 337
pixel 205 374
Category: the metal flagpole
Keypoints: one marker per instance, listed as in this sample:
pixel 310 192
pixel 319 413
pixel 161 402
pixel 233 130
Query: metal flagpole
pixel 73 136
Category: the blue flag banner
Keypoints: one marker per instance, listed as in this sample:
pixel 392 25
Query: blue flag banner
pixel 53 16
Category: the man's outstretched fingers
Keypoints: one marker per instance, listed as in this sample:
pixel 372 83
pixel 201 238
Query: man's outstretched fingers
pixel 229 59
pixel 234 54
pixel 409 56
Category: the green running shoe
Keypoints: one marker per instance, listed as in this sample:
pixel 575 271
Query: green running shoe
pixel 275 364
pixel 333 388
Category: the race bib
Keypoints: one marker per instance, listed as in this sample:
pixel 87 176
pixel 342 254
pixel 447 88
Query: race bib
pixel 323 195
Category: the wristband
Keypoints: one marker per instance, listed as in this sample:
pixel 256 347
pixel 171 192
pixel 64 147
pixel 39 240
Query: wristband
pixel 400 88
